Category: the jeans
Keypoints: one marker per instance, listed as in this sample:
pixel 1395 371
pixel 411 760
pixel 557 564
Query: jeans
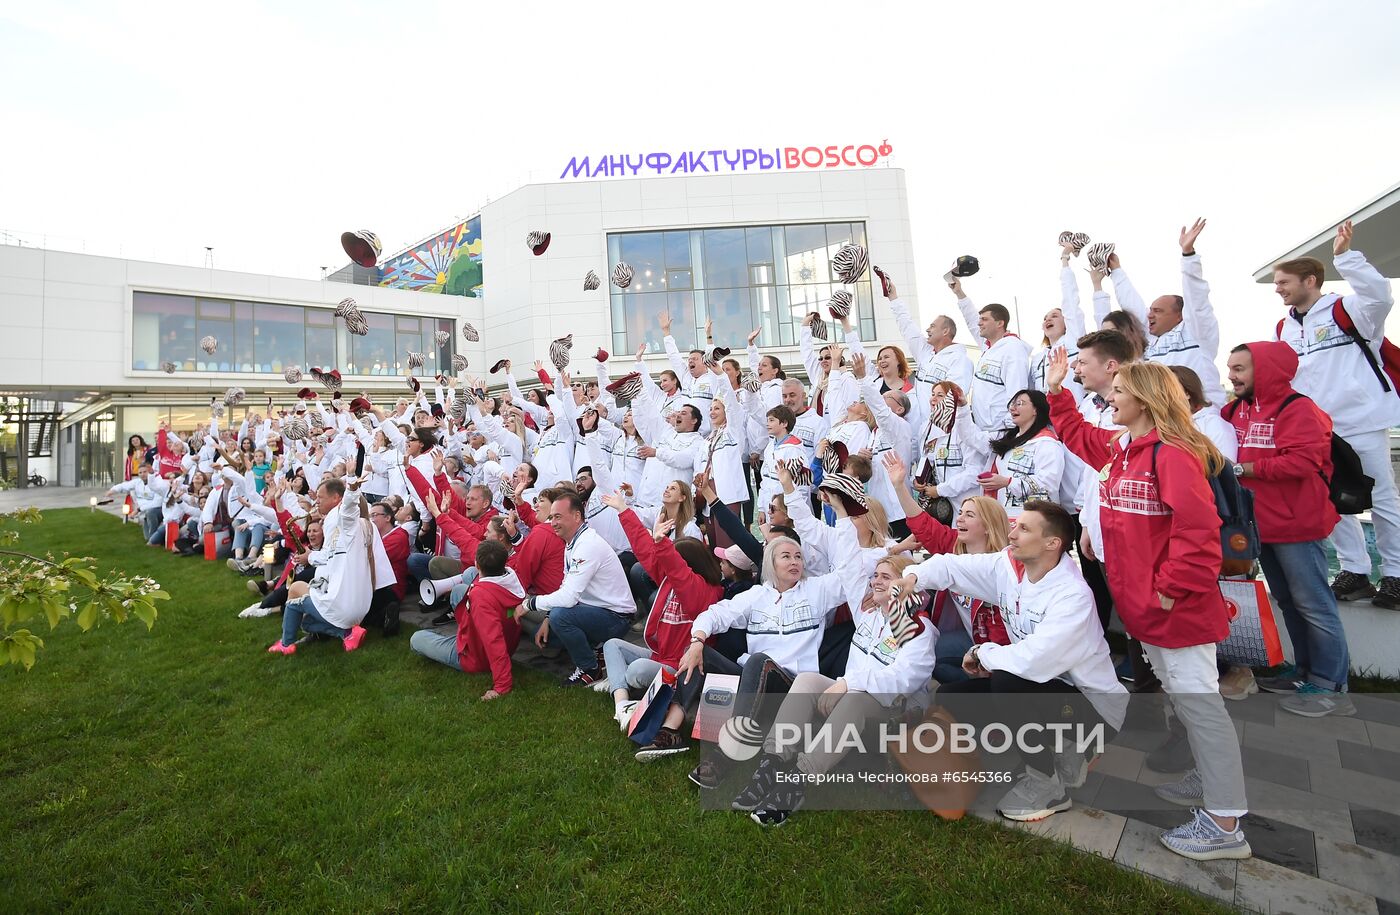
pixel 578 629
pixel 460 591
pixel 643 588
pixel 1297 577
pixel 418 566
pixel 948 654
pixel 249 539
pixel 1374 450
pixel 151 523
pixel 158 538
pixel 435 647
pixel 629 666
pixel 1192 682
pixel 302 614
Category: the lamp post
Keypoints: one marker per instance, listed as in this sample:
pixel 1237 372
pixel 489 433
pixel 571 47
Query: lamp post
pixel 126 512
pixel 92 504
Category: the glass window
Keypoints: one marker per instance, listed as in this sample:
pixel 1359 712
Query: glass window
pixel 409 339
pixel 244 339
pixel 373 354
pixel 162 331
pixel 741 278
pixel 445 350
pixel 215 319
pixel 281 339
pixel 726 262
pixel 320 338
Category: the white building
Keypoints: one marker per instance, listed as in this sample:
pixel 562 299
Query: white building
pixel 746 250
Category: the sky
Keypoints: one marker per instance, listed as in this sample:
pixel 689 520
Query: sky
pixel 152 129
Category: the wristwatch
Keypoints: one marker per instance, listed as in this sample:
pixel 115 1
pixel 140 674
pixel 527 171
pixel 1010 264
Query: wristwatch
pixel 1239 470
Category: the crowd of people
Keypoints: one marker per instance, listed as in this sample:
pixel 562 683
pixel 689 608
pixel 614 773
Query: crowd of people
pixel 917 525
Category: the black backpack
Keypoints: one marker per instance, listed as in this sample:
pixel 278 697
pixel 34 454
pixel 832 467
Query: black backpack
pixel 1234 503
pixel 1349 488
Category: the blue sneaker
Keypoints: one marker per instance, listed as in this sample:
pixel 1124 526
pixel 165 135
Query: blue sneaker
pixel 1285 681
pixel 1202 839
pixel 1312 701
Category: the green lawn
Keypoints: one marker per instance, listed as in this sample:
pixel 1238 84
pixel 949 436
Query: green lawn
pixel 187 769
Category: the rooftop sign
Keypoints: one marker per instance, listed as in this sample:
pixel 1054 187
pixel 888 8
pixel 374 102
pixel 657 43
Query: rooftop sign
pixel 727 161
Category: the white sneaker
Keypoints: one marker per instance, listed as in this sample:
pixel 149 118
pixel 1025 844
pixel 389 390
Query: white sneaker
pixel 252 611
pixel 601 686
pixel 1034 797
pixel 623 715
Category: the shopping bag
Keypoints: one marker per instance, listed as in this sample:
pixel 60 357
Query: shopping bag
pixel 716 705
pixel 1253 640
pixel 940 778
pixel 651 710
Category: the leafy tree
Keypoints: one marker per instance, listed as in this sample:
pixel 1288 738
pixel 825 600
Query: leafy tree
pixel 59 589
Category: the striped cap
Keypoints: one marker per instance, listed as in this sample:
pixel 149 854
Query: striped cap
pixel 840 304
pixel 295 429
pixel 559 351
pixel 849 489
pixel 849 264
pixel 625 389
pixel 801 473
pixel 538 242
pixel 749 382
pixel 292 374
pixel 168 368
pixel 233 397
pixel 459 362
pixel 591 281
pixel 470 333
pixel 415 360
pixel 209 344
pixel 362 246
pixel 1098 254
pixel 819 331
pixel 440 337
pixel 622 276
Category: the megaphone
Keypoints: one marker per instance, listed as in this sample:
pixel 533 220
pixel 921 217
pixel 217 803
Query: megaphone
pixel 431 590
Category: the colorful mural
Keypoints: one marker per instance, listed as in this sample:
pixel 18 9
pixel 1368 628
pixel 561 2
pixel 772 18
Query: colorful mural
pixel 449 262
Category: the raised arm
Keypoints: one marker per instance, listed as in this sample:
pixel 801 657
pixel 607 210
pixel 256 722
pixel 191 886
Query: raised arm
pixel 1196 311
pixel 1372 299
pixel 1069 302
pixel 969 313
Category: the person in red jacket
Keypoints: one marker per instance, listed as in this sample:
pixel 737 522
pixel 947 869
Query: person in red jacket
pixel 1161 540
pixel 690 581
pixel 487 633
pixel 396 545
pixel 1286 461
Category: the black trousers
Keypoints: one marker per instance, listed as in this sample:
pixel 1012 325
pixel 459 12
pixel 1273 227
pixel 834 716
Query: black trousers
pixel 1007 699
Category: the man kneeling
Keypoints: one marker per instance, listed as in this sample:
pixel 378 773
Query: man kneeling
pixel 487 633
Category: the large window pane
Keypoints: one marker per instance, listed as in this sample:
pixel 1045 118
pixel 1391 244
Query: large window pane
pixel 373 354
pixel 643 251
pixel 214 318
pixel 320 338
pixel 243 338
pixel 443 352
pixel 162 331
pixel 741 278
pixel 677 246
pixel 281 339
pixel 726 260
pixel 807 258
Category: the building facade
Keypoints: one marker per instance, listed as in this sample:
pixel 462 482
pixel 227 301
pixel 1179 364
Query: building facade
pixel 744 251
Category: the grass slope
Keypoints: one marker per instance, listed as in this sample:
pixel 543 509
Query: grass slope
pixel 185 768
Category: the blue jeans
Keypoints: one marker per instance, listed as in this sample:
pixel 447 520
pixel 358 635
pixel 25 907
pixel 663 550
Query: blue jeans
pixel 150 523
pixel 1297 577
pixel 158 538
pixel 302 614
pixel 460 591
pixel 418 566
pixel 249 539
pixel 629 666
pixel 435 647
pixel 948 654
pixel 579 628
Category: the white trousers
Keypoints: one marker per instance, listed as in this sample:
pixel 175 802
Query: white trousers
pixel 1348 539
pixel 1192 682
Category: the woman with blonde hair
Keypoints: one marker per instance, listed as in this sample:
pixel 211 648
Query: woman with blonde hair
pixel 981 526
pixel 674 518
pixel 1161 543
pixel 891 659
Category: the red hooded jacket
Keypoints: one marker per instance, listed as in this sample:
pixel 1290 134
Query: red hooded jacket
pixel 1290 448
pixel 1161 531
pixel 487 633
pixel 539 558
pixel 680 598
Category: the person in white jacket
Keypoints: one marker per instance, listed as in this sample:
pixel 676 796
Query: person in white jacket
pixel 949 462
pixel 1063 326
pixel 936 357
pixel 148 491
pixel 892 433
pixel 785 617
pixel 594 602
pixel 1342 376
pixel 1181 329
pixel 1003 367
pixel 349 567
pixel 697 383
pixel 1029 461
pixel 782 446
pixel 769 370
pixel 1057 658
pixel 891 659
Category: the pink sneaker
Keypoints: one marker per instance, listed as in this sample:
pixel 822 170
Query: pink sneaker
pixel 278 648
pixel 356 636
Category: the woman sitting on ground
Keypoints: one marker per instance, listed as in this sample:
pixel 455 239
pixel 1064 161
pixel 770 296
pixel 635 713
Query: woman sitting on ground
pixel 785 617
pixel 891 659
pixel 690 583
